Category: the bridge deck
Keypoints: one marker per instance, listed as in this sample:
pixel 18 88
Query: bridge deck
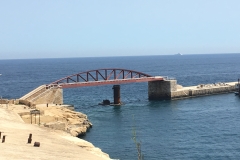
pixel 107 82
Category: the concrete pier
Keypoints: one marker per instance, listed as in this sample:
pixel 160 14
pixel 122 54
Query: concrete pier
pixel 203 90
pixel 160 90
pixel 170 90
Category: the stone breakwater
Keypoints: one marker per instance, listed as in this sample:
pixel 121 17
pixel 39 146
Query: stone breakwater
pixel 169 89
pixel 58 117
pixel 203 90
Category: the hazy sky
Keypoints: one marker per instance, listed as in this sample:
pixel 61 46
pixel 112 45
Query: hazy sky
pixel 86 28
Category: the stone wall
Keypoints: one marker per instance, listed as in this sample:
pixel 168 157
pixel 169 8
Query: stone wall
pixel 3 101
pixel 180 94
pixel 9 101
pixel 25 102
pixel 43 95
pixel 207 91
pixel 195 92
pixel 159 90
pixel 51 96
pixel 34 93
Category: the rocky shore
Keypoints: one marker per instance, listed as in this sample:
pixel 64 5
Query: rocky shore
pixel 58 117
pixel 56 132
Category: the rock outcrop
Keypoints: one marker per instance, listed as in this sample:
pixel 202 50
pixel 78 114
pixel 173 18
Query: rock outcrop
pixel 59 118
pixel 55 144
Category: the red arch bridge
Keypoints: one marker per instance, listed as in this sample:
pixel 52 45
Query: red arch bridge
pixel 53 94
pixel 103 77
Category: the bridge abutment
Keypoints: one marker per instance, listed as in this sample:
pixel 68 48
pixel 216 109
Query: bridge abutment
pixel 44 95
pixel 52 96
pixel 161 90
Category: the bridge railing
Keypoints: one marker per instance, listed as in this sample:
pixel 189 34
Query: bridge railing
pixel 168 78
pixel 52 85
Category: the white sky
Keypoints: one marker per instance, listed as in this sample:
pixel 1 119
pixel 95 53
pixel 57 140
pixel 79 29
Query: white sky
pixel 84 28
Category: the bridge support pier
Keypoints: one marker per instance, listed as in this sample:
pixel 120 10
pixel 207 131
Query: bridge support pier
pixel 116 94
pixel 161 90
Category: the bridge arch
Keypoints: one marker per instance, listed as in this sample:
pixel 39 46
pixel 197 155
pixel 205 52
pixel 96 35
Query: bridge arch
pixel 103 76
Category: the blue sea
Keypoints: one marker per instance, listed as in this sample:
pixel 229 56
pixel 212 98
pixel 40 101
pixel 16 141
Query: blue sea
pixel 206 127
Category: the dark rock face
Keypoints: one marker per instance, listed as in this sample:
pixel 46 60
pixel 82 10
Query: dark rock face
pixel 106 102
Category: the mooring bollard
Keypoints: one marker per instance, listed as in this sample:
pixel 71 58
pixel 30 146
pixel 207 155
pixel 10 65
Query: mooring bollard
pixel 36 144
pixel 30 138
pixel 3 140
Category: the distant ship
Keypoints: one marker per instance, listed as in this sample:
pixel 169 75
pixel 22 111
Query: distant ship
pixel 179 54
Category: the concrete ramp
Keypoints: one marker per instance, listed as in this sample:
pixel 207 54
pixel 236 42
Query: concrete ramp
pixel 44 95
pixel 34 93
